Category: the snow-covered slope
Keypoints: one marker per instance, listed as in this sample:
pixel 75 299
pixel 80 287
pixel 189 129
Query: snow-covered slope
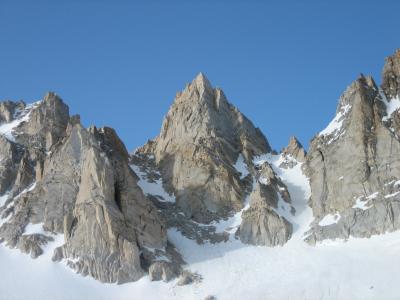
pixel 356 269
pixel 20 116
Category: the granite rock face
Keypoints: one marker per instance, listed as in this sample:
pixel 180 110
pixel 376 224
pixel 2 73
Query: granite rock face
pixel 201 138
pixel 354 164
pixel 204 158
pixel 263 222
pixel 66 179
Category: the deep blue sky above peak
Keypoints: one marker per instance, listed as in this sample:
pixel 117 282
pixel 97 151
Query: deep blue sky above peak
pixel 284 64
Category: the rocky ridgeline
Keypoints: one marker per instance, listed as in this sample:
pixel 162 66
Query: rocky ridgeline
pixel 354 164
pixel 209 174
pixel 76 182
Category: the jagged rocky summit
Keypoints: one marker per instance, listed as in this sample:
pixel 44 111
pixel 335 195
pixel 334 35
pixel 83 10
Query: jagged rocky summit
pixel 204 156
pixel 354 164
pixel 75 182
pixel 210 174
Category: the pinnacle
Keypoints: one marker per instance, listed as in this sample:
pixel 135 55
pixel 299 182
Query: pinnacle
pixel 51 96
pixel 294 142
pixel 202 82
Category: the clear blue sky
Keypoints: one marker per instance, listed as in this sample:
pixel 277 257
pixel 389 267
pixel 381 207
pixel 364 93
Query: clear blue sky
pixel 120 63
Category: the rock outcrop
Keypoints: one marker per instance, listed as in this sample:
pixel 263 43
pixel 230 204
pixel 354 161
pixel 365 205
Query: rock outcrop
pixel 263 222
pixel 76 182
pixel 354 164
pixel 294 153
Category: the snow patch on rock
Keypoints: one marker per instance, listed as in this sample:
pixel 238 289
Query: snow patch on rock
pixel 361 204
pixel 392 105
pixel 334 127
pixel 154 188
pixel 19 117
pixel 34 228
pixel 329 219
pixel 3 199
pixel 241 166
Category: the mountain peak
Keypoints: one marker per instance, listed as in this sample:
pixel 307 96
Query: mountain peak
pixel 201 82
pixel 202 79
pixel 51 96
pixel 294 142
pixel 295 149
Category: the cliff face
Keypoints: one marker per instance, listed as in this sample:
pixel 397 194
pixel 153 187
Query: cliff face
pixel 76 182
pixel 354 165
pixel 201 139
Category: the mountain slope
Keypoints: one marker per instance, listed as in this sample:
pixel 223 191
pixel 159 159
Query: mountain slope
pixel 333 270
pixel 192 206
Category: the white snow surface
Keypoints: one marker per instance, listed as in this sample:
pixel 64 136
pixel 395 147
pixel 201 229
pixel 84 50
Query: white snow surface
pixel 34 228
pixel 241 166
pixel 391 106
pixel 356 269
pixel 152 188
pixel 361 204
pixel 329 219
pixel 6 129
pixel 392 195
pixel 337 122
pixel 3 199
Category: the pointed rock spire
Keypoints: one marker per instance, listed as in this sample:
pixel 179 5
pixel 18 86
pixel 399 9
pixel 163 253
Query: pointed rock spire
pixel 202 81
pixel 295 149
pixel 202 85
pixel 204 134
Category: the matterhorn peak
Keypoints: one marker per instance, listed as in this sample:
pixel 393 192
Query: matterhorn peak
pixel 202 81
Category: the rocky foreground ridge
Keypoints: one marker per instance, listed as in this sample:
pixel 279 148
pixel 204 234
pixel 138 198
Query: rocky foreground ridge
pixel 208 167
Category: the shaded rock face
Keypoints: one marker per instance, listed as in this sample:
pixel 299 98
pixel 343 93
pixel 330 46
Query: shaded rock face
pixel 111 217
pixel 8 171
pixel 262 223
pixel 77 182
pixel 354 164
pixel 162 270
pixel 201 138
